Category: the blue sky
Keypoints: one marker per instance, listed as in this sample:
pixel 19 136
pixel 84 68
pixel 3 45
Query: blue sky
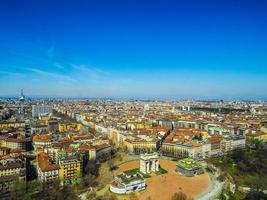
pixel 135 49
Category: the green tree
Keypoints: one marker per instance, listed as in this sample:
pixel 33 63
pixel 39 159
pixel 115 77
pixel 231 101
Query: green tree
pixel 255 195
pixel 34 186
pixel 19 189
pixel 91 195
pixel 66 193
pixel 89 181
pixel 222 197
pixel 91 168
pixel 179 196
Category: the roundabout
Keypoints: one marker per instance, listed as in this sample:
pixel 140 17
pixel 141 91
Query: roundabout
pixel 165 185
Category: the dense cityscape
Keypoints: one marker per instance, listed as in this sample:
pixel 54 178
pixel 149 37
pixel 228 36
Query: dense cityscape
pixel 120 149
pixel 133 100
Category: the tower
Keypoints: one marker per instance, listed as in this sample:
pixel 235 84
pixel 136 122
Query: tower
pixel 22 97
pixel 21 104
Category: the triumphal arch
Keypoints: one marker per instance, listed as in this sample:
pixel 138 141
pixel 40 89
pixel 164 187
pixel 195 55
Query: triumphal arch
pixel 149 163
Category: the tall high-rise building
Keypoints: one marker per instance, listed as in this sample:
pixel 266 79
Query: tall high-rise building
pixel 39 110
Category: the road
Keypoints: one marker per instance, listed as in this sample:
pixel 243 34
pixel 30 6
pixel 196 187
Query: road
pixel 214 189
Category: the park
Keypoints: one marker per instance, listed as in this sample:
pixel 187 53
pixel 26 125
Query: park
pixel 165 185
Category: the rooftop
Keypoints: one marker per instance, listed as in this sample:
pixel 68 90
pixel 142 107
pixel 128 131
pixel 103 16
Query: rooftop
pixel 45 164
pixel 130 176
pixel 188 163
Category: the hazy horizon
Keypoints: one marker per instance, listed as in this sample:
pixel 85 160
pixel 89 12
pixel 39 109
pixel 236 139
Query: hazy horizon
pixel 16 96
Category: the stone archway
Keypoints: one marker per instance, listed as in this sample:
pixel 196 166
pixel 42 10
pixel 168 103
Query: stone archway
pixel 149 163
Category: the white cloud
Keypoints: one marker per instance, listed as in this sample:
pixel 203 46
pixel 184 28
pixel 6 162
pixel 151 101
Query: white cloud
pixel 57 76
pixel 90 71
pixel 59 65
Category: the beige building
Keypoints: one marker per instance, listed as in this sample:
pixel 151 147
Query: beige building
pixel 182 150
pixel 41 141
pixel 15 143
pixel 139 146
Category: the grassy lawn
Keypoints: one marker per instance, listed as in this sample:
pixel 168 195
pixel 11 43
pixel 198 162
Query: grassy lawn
pixel 105 175
pixel 103 191
pixel 145 176
pixel 188 163
pixel 162 171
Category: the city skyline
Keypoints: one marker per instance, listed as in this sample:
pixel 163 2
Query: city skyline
pixel 134 49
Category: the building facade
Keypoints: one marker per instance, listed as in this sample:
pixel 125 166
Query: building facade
pixel 47 171
pixel 39 110
pixel 70 170
pixel 11 171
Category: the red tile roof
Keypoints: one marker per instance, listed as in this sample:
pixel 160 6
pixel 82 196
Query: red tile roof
pixel 45 164
pixel 42 138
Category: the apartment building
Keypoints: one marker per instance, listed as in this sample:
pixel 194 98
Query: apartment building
pixel 11 124
pixel 12 169
pixel 18 143
pixel 47 171
pixel 70 170
pixel 65 127
pixel 215 141
pixel 41 141
pixel 100 152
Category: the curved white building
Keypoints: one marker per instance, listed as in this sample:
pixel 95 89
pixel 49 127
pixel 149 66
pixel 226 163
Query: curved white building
pixel 127 182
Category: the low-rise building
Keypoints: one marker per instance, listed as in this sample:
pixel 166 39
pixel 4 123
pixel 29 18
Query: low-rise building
pixel 189 167
pixel 184 149
pixel 101 152
pixel 257 134
pixel 39 128
pixel 139 146
pixel 127 182
pixel 18 143
pixel 239 142
pixel 226 145
pixel 12 124
pixel 65 127
pixel 4 151
pixel 215 142
pixel 42 141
